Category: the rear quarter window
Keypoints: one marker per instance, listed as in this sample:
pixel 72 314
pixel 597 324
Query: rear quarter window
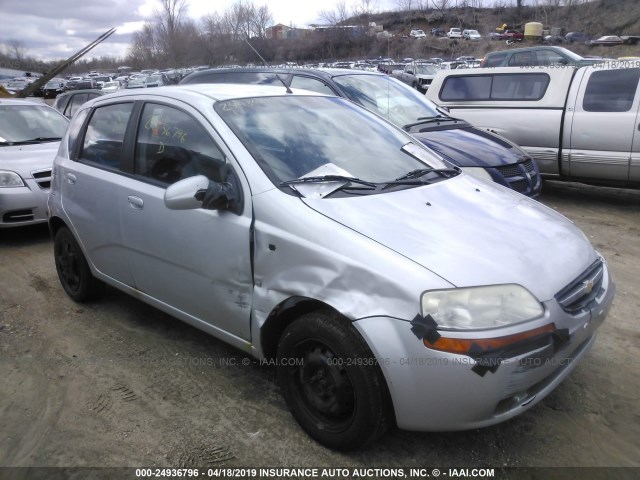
pixel 521 87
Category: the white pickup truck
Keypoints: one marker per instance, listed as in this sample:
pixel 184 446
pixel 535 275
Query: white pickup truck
pixel 579 123
pixel 418 75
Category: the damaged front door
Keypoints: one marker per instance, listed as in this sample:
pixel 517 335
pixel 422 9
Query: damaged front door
pixel 197 261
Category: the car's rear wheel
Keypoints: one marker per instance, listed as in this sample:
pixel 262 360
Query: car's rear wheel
pixel 73 269
pixel 331 382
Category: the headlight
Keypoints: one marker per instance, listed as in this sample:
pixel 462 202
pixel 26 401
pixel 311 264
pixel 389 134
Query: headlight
pixel 481 307
pixel 477 172
pixel 10 179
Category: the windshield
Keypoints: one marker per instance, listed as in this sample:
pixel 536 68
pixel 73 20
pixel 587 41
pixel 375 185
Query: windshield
pixel 397 102
pixel 570 54
pixel 55 83
pixel 19 123
pixel 294 135
pixel 425 69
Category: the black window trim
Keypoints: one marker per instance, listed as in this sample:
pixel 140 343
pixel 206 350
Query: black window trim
pixel 81 138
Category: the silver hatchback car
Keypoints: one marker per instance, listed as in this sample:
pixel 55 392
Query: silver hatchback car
pixel 30 134
pixel 385 284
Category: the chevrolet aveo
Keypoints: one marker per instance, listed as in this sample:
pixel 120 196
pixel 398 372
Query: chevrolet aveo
pixel 386 285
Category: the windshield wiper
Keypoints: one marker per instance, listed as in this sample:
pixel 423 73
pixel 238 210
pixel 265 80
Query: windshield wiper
pixel 413 177
pixel 427 120
pixel 33 140
pixel 328 178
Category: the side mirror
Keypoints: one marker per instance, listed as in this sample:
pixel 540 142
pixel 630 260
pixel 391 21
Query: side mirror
pixel 409 72
pixel 200 192
pixel 182 195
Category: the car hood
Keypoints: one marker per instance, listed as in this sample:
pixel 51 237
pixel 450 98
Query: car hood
pixel 470 232
pixel 469 146
pixel 24 159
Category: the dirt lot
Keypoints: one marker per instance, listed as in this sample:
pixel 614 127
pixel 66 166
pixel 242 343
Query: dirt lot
pixel 117 383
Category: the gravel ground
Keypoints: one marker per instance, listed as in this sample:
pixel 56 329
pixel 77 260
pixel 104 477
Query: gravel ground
pixel 118 383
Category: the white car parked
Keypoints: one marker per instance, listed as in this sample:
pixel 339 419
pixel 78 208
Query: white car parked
pixel 454 33
pixel 471 35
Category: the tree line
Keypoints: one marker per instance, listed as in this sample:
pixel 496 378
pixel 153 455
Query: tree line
pixel 172 39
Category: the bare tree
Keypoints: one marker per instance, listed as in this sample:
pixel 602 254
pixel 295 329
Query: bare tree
pixel 262 20
pixel 17 49
pixel 336 16
pixel 365 7
pixel 144 46
pixel 169 20
pixel 442 6
pixel 405 5
pixel 422 5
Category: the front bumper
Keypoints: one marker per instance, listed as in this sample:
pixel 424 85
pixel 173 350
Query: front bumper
pixel 21 206
pixel 439 391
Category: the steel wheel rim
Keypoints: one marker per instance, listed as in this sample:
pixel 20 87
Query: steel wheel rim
pixel 323 386
pixel 68 264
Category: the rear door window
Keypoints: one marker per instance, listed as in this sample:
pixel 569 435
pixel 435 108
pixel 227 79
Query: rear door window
pixel 75 103
pixel 549 57
pixel 312 84
pixel 495 59
pixel 521 59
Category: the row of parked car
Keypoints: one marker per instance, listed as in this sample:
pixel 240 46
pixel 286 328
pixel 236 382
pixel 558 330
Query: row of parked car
pixel 453 33
pixel 287 217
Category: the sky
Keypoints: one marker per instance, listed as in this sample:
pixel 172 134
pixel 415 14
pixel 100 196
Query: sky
pixel 55 29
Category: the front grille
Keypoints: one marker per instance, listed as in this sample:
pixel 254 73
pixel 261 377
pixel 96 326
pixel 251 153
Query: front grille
pixel 509 171
pixel 521 177
pixel 18 216
pixel 579 293
pixel 516 170
pixel 528 165
pixel 42 178
pixel 519 186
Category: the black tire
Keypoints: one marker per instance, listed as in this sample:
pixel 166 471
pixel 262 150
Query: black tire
pixel 73 269
pixel 331 383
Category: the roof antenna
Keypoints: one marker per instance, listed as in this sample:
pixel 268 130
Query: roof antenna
pixel 267 65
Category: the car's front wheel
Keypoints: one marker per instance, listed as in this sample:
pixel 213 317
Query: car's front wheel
pixel 331 382
pixel 73 269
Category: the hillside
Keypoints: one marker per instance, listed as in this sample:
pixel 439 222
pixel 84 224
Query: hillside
pixel 600 17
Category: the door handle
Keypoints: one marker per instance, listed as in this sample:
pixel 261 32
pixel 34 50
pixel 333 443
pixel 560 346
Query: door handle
pixel 71 178
pixel 135 202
